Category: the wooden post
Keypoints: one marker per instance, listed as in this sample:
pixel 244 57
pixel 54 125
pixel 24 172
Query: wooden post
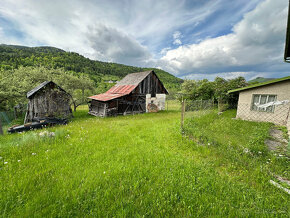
pixel 15 113
pixel 182 113
pixel 1 131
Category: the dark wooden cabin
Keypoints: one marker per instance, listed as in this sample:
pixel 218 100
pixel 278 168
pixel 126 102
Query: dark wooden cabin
pixel 128 96
pixel 48 100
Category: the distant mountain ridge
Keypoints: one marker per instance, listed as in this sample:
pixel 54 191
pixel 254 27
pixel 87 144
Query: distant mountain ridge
pixel 259 80
pixel 13 56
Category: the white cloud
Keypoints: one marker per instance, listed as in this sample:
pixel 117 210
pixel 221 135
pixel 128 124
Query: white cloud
pixel 136 32
pixel 226 75
pixel 72 26
pixel 164 50
pixel 177 42
pixel 176 35
pixel 67 24
pixel 111 44
pixel 257 41
pixel 176 38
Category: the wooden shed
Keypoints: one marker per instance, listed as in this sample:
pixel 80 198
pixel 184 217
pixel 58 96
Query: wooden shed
pixel 131 95
pixel 48 100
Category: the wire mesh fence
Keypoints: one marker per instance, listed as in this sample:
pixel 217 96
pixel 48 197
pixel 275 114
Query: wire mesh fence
pixel 18 112
pixel 6 117
pixel 274 112
pixel 196 108
pixel 277 114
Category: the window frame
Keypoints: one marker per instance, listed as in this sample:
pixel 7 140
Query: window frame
pixel 272 110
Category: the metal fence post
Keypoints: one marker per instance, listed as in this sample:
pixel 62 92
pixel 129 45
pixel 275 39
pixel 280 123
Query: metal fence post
pixel 182 112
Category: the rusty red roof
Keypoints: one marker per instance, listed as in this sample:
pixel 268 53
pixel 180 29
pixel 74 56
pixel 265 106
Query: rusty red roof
pixel 116 91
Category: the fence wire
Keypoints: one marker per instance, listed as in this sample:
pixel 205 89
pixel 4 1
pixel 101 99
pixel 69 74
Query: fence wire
pixel 7 117
pixel 278 114
pixel 198 107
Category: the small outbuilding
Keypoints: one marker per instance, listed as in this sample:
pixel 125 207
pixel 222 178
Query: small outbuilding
pixel 135 93
pixel 266 102
pixel 48 100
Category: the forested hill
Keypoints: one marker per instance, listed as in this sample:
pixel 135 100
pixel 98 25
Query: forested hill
pixel 259 80
pixel 12 56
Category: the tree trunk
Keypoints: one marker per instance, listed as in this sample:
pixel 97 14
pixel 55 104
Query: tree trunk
pixel 75 106
pixel 83 95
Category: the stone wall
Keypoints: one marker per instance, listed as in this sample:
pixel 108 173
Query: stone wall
pixel 159 101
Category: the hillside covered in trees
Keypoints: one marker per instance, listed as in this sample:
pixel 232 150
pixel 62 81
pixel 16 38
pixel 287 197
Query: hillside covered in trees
pixel 12 57
pixel 22 68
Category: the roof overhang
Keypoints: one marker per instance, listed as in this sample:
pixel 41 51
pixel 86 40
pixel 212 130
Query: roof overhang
pixel 260 84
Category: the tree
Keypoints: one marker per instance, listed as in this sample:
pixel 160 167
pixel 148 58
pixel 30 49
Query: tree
pixel 218 89
pixel 14 84
pixel 198 89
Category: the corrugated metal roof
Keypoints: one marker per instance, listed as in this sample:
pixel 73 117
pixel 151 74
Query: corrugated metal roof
pixel 122 89
pixel 116 91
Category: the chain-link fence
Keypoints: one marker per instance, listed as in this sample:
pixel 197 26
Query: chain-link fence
pixel 6 117
pixel 196 108
pixel 18 112
pixel 277 114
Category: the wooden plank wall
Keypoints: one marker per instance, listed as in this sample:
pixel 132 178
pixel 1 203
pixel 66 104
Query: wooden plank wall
pixel 49 103
pixel 150 85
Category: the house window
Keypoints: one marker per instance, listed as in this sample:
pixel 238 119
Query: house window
pixel 263 99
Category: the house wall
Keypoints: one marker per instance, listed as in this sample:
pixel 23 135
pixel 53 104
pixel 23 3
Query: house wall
pixel 159 101
pixel 280 115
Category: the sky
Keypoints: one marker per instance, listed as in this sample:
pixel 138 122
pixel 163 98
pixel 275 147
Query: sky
pixel 191 39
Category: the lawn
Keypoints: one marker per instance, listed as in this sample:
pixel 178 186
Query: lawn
pixel 141 165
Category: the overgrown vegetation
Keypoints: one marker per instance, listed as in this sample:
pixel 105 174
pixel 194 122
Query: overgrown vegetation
pixel 240 143
pixel 217 89
pixel 141 166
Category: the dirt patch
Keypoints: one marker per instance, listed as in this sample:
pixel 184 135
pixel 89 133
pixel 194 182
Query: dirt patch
pixel 278 135
pixel 277 142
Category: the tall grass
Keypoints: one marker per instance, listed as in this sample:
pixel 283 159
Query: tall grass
pixel 137 165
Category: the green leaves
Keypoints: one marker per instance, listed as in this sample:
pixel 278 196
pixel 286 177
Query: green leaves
pixel 14 84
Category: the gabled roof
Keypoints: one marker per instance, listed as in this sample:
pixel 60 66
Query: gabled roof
pixel 260 84
pixel 134 78
pixel 124 87
pixel 42 85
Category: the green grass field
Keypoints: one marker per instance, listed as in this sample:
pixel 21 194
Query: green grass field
pixel 141 165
